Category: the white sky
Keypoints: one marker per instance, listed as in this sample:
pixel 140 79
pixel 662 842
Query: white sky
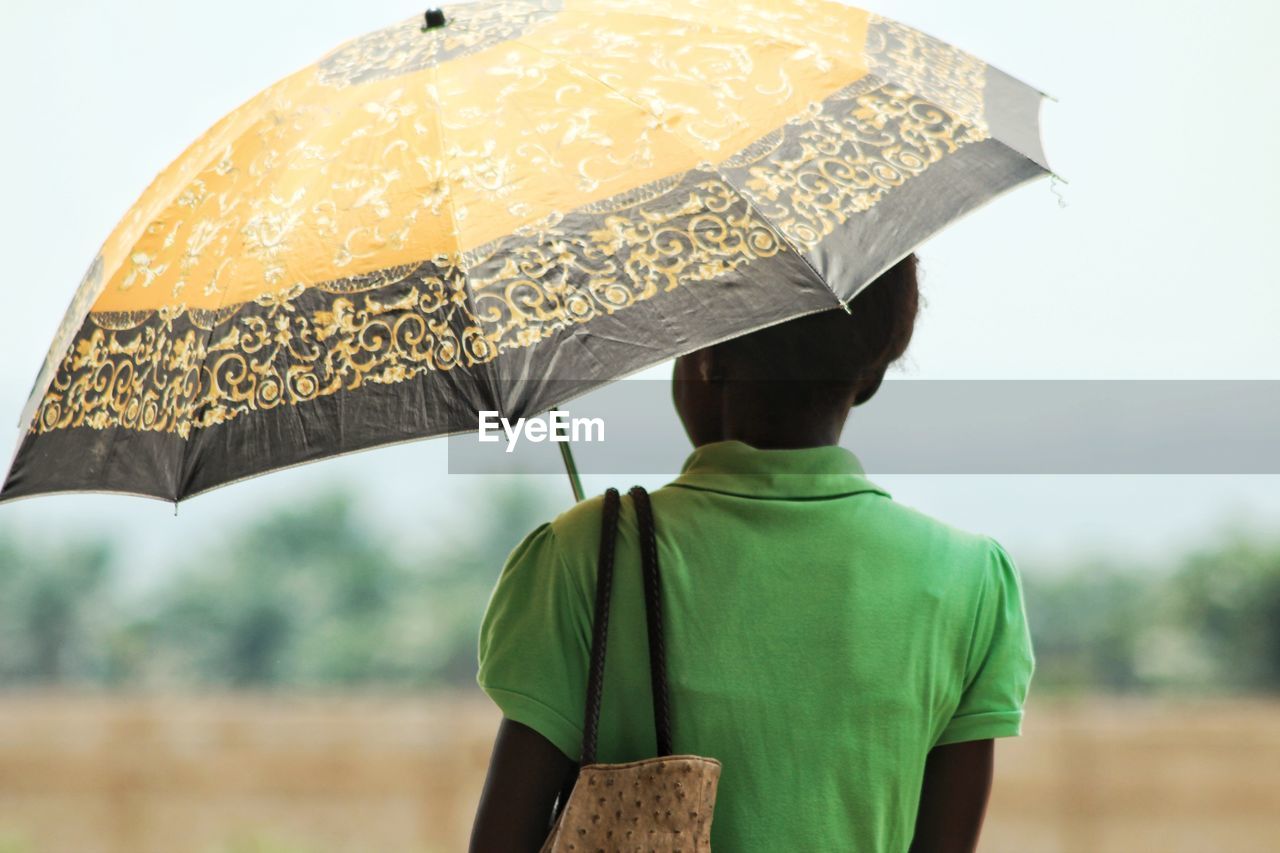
pixel 1163 265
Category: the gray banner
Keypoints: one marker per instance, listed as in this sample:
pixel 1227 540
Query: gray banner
pixel 930 427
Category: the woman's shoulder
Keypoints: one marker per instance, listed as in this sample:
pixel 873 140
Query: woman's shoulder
pixel 580 521
pixel 576 531
pixel 926 542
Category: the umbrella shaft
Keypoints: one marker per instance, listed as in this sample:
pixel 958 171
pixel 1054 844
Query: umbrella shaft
pixel 571 468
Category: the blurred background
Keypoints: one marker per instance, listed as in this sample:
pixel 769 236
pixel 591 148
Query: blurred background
pixel 287 665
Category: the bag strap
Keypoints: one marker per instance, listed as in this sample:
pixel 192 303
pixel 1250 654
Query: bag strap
pixel 653 613
pixel 600 623
pixel 600 626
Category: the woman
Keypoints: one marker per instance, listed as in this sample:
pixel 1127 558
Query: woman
pixel 847 659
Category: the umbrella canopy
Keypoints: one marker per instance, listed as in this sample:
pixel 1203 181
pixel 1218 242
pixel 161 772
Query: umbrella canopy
pixel 431 219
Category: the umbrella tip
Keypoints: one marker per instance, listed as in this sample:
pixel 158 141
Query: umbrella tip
pixel 434 19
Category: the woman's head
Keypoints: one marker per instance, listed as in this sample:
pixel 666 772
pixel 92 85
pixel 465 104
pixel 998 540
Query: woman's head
pixel 793 383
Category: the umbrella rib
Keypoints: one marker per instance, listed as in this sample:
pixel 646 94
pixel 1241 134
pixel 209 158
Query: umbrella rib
pixel 780 233
pixel 485 367
pixel 446 172
pixel 184 452
pixel 714 168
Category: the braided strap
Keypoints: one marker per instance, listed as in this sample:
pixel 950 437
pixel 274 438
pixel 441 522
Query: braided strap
pixel 600 626
pixel 653 612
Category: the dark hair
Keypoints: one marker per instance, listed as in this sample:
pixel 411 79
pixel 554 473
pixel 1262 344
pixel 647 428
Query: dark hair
pixel 837 346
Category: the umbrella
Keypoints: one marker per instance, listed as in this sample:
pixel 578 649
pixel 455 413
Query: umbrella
pixel 499 206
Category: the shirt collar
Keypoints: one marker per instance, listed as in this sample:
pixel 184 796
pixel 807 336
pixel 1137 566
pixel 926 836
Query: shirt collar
pixel 737 468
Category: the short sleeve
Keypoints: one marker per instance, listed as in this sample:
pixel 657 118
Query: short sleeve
pixel 1000 662
pixel 534 641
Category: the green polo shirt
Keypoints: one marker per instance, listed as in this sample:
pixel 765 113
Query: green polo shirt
pixel 821 640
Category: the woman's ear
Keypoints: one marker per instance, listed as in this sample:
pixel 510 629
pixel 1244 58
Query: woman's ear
pixel 697 397
pixel 704 366
pixel 709 365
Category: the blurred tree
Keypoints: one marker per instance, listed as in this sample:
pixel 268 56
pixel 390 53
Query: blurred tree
pixel 314 594
pixel 463 574
pixel 1086 627
pixel 52 602
pixel 1229 600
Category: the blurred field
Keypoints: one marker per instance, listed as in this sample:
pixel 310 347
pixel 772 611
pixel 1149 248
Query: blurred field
pixel 239 774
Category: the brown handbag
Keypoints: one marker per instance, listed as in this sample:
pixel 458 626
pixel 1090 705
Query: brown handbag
pixel 658 805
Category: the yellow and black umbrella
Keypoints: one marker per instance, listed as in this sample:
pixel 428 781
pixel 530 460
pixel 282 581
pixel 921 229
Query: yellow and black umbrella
pixel 385 243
